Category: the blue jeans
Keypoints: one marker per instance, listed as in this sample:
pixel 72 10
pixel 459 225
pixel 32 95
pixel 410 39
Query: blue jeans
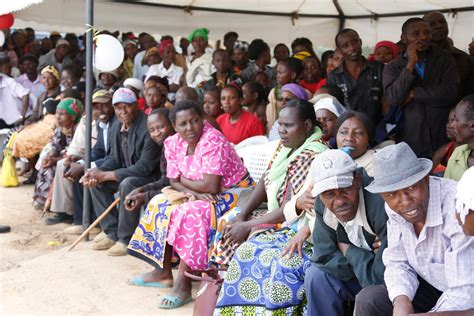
pixel 326 294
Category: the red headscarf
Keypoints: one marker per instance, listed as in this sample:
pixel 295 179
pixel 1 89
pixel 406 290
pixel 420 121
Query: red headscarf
pixel 163 44
pixel 390 45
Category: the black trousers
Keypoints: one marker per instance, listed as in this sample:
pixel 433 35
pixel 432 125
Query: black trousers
pixel 373 300
pixel 120 224
pixel 77 203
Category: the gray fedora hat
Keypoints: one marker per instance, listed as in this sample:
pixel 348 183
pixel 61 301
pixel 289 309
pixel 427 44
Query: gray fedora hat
pixel 397 167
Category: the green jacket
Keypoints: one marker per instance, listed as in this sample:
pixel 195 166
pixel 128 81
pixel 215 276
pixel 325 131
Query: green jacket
pixel 362 264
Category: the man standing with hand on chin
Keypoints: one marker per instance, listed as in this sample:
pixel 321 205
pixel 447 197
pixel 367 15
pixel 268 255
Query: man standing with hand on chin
pixel 424 81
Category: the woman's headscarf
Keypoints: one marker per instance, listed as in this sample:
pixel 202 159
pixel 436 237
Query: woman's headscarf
pixel 163 44
pixel 390 45
pixel 203 32
pixel 331 104
pixel 301 55
pixel 52 70
pixel 72 107
pixel 298 91
pixel 241 45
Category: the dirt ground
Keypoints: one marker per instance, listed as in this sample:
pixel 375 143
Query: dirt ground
pixel 37 279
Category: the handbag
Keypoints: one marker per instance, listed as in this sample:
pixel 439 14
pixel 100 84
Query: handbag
pixel 8 177
pixel 206 297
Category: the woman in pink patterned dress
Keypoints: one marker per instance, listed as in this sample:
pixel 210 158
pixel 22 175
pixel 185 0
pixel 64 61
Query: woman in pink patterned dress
pixel 206 171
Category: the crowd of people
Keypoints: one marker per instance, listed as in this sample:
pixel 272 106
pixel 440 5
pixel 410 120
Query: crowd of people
pixel 359 211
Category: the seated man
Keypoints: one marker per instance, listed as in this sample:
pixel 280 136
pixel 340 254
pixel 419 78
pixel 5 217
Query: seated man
pixel 67 191
pixel 133 161
pixel 349 234
pixel 428 261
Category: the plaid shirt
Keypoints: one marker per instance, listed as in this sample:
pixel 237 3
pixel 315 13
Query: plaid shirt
pixel 442 255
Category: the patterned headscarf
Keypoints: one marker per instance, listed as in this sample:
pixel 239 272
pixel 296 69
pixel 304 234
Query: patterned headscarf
pixel 199 32
pixel 52 70
pixel 163 44
pixel 241 45
pixel 72 106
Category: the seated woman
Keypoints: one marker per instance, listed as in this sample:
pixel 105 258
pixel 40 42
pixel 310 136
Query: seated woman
pixel 39 127
pixel 289 91
pixel 355 135
pixel 236 123
pixel 264 276
pixel 463 123
pixel 68 114
pixel 327 110
pixel 207 176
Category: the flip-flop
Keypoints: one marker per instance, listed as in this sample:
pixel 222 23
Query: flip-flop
pixel 175 302
pixel 138 281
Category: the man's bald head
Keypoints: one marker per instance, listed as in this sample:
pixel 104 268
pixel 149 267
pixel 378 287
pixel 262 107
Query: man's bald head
pixel 438 25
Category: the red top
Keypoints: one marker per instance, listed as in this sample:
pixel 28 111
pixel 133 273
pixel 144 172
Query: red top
pixel 313 87
pixel 247 126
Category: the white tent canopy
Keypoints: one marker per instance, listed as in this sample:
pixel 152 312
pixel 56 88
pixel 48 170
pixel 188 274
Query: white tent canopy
pixel 273 20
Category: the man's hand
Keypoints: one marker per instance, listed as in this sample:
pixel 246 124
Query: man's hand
pixel 343 247
pixel 412 55
pixel 306 202
pixel 133 201
pixel 49 161
pixel 296 243
pixel 74 172
pixel 402 306
pixel 376 244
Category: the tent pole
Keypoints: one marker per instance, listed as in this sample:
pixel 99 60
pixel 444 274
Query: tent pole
pixel 88 98
pixel 341 16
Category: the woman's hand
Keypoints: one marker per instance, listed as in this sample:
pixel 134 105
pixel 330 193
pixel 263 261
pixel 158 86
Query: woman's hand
pixel 203 197
pixel 237 231
pixel 296 243
pixel 133 201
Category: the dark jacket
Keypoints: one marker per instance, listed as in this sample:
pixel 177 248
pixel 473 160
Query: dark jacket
pixel 425 117
pixel 364 94
pixel 144 153
pixel 101 150
pixel 362 264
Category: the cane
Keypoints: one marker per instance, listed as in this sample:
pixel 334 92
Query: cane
pixel 94 224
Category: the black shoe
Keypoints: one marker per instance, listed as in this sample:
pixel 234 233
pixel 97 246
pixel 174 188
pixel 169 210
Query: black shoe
pixel 58 218
pixel 4 229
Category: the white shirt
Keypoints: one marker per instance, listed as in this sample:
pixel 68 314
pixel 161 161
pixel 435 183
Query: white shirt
pixel 173 73
pixel 11 93
pixel 442 254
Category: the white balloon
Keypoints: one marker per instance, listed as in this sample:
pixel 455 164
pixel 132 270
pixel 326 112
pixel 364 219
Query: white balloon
pixel 2 38
pixel 109 53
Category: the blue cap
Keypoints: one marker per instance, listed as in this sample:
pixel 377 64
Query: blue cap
pixel 124 95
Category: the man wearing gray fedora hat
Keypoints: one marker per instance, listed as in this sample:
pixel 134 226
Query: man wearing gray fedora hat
pixel 350 234
pixel 428 260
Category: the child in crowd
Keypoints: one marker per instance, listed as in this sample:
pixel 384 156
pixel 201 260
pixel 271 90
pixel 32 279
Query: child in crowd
pixel 384 51
pixel 255 100
pixel 280 52
pixel 212 105
pixel 223 74
pixel 236 123
pixel 155 97
pixel 287 71
pixel 312 80
pixel 239 56
pixel 160 127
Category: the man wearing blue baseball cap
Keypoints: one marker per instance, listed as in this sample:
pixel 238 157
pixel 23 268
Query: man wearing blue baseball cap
pixel 133 161
pixel 428 260
pixel 349 235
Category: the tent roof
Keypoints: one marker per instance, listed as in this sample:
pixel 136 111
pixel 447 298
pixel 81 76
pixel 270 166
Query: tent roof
pixel 273 20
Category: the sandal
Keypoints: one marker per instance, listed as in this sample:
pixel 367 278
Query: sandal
pixel 138 281
pixel 175 302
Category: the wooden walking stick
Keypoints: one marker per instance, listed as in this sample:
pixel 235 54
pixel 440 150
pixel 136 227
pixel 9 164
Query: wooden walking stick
pixel 94 224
